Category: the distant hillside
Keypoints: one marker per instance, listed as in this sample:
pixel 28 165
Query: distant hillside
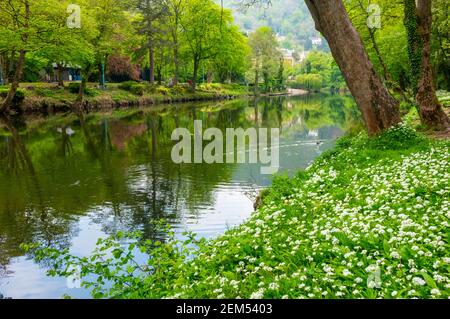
pixel 288 18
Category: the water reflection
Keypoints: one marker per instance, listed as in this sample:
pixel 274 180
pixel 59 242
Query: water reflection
pixel 68 180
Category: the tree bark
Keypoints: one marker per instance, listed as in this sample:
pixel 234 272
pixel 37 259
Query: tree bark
pixel 379 109
pixel 431 112
pixel 7 103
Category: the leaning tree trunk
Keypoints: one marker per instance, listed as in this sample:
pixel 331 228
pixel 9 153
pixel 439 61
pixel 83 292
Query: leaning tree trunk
pixel 7 103
pixel 379 109
pixel 418 22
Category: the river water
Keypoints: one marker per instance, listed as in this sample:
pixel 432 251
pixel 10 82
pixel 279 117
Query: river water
pixel 68 180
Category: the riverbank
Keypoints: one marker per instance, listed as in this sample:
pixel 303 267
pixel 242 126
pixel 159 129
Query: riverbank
pixel 367 220
pixel 49 98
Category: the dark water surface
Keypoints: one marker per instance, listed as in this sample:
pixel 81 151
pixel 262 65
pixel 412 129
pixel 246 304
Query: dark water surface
pixel 68 180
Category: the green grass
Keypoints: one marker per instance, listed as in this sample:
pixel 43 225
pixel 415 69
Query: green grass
pixel 369 219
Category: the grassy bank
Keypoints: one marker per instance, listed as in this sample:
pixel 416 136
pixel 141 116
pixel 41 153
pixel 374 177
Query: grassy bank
pixel 38 97
pixel 369 219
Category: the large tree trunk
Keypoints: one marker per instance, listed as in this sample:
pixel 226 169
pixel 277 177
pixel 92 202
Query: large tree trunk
pixel 379 109
pixel 7 103
pixel 431 112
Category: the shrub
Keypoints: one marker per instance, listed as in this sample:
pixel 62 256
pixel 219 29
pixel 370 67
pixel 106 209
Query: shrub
pixel 163 90
pixel 399 137
pixel 75 89
pixel 180 88
pixel 45 92
pixel 134 87
pixel 127 85
pixel 138 89
pixel 19 97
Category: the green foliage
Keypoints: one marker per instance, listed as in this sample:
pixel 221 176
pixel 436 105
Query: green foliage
pixel 317 71
pixel 310 82
pixel 74 88
pixel 127 85
pixel 19 97
pixel 398 138
pixel 265 59
pixel 138 89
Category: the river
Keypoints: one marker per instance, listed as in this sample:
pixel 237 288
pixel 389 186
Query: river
pixel 67 180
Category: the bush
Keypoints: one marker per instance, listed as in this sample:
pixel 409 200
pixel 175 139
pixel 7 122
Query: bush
pixel 126 86
pixel 75 89
pixel 138 89
pixel 180 88
pixel 163 90
pixel 133 87
pixel 45 92
pixel 19 97
pixel 397 138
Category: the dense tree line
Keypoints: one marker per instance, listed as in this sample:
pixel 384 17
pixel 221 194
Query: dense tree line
pixel 171 40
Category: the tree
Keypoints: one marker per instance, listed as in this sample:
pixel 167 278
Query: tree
pixel 176 10
pixel 379 109
pixel 265 55
pixel 153 13
pixel 30 27
pixel 231 58
pixel 101 32
pixel 16 17
pixel 418 22
pixel 204 26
